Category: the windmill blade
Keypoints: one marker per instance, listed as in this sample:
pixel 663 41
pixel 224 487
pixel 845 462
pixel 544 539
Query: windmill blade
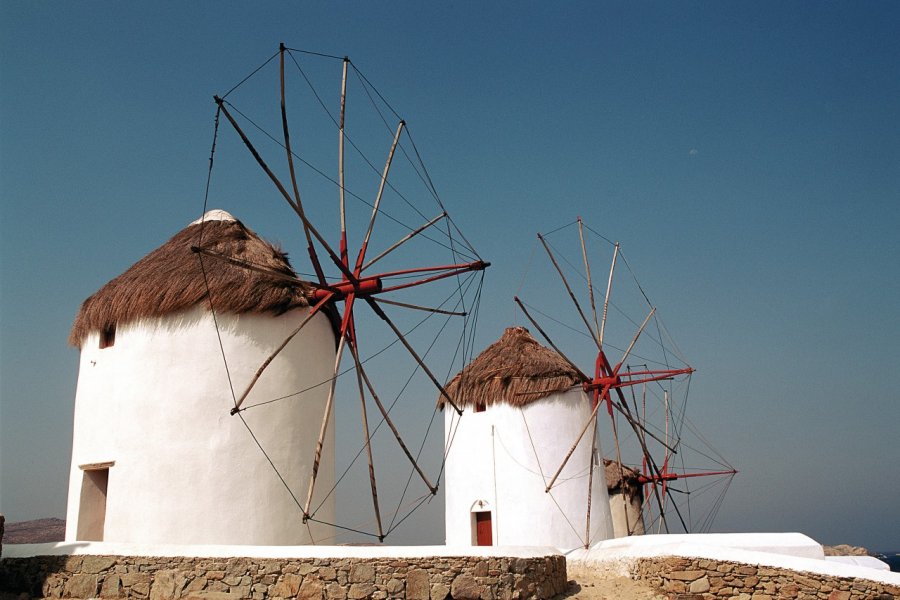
pixel 405 239
pixel 341 187
pixel 312 312
pixel 438 311
pixel 381 184
pixel 378 311
pixel 590 285
pixel 368 442
pixel 587 525
pixel 313 257
pixel 323 429
pixel 609 283
pixel 581 373
pixel 604 393
pixel 569 290
pixel 387 419
pixel 334 257
pixel 248 265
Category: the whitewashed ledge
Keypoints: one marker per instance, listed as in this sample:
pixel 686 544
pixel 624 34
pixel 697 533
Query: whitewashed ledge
pixel 300 552
pixel 793 551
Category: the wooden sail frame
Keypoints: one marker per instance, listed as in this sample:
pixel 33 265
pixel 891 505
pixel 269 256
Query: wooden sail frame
pixel 607 385
pixel 353 284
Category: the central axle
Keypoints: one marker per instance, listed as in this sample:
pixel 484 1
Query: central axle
pixel 363 287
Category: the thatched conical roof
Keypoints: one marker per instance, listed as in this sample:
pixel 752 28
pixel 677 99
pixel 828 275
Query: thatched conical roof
pixel 621 477
pixel 515 369
pixel 170 279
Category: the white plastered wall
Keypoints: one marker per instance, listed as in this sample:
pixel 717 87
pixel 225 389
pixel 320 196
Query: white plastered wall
pixel 504 455
pixel 626 513
pixel 157 403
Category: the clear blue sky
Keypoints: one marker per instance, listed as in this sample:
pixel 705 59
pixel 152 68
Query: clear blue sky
pixel 747 155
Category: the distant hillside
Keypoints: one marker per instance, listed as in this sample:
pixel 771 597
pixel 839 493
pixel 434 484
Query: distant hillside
pixel 845 550
pixel 34 532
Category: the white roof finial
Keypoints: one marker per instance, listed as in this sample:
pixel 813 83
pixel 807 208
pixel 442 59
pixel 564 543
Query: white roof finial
pixel 215 214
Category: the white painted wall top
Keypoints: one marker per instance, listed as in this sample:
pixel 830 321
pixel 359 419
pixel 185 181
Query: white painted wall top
pixel 249 551
pixel 614 556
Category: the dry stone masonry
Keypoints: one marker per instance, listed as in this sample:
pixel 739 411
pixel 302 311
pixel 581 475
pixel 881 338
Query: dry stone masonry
pixel 434 578
pixel 704 579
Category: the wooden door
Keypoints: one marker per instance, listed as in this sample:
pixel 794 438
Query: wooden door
pixel 483 529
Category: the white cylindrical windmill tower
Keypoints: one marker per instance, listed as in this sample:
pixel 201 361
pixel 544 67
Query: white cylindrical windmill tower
pixel 524 408
pixel 626 498
pixel 156 455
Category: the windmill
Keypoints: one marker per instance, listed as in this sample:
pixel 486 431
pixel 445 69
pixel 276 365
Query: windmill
pixel 638 377
pixel 374 274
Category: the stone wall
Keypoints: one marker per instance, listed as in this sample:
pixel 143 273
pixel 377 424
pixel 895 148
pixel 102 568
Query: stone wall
pixel 432 578
pixel 704 579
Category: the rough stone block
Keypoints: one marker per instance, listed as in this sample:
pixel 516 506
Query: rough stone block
pixel 417 585
pixel 686 575
pixel 839 595
pixel 358 591
pixel 141 590
pixel 217 586
pixel 195 585
pixel 97 564
pixel 362 573
pixel 439 591
pixel 311 589
pixel 335 591
pixel 465 587
pixel 288 586
pixel 163 586
pixel 481 569
pixel 393 586
pixel 699 586
pixel 111 586
pixel 133 579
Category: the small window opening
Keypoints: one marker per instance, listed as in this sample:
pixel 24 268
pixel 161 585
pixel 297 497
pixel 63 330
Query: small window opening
pixel 108 336
pixel 480 407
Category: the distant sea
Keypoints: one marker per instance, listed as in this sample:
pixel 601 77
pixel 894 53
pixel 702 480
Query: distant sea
pixel 891 558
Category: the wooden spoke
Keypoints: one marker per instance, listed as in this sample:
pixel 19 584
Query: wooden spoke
pixel 590 495
pixel 438 311
pixel 569 290
pixel 334 257
pixel 368 442
pixel 406 238
pixel 387 419
pixel 549 341
pixel 248 265
pixel 604 393
pixel 313 257
pixel 382 183
pixel 587 271
pixel 371 302
pixel 612 269
pixel 323 428
pixel 312 312
pixel 341 158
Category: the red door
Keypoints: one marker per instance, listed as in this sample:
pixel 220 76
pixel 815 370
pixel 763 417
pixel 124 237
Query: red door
pixel 483 529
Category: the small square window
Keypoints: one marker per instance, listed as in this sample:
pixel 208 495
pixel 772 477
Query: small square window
pixel 108 336
pixel 480 407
